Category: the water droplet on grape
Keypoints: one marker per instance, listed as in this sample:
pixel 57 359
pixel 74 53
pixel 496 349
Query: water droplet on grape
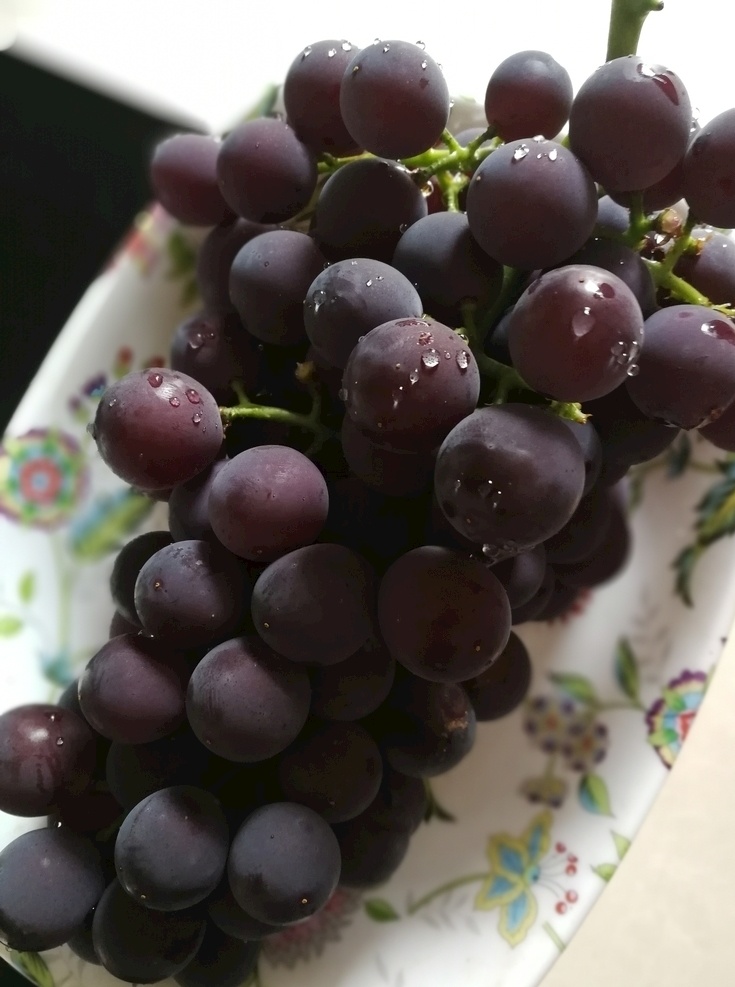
pixel 447 355
pixel 266 263
pixel 646 71
pixel 403 227
pixel 196 340
pixel 376 41
pixel 386 47
pixel 193 396
pixel 112 402
pixel 174 402
pixel 346 46
pixel 343 394
pixel 414 377
pixel 425 338
pixel 430 359
pixel 155 380
pixel 266 625
pixel 197 417
pixel 355 69
pixel 369 283
pixel 633 370
pixel 424 64
pixel 582 322
pixel 553 154
pixel 421 45
pixel 331 53
pixel 463 359
pixel 306 52
pixel 360 339
pixel 380 278
pixel 59 741
pixel 520 152
pixel 318 299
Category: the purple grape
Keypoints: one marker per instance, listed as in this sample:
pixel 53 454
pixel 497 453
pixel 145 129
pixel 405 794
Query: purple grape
pixel 410 381
pixel 624 263
pixel 265 173
pixel 311 96
pixel 721 432
pixel 711 268
pixel 531 204
pixel 188 506
pixel 585 530
pixel 155 428
pixel 400 804
pixel 135 771
pixel 521 575
pixel 612 217
pixel 215 350
pixel 49 881
pixel 121 625
pixel 246 703
pixel 709 172
pixel 221 961
pixel 503 686
pixel 395 472
pixel 529 611
pixel 184 179
pixel 630 123
pixel 607 561
pixel 356 686
pixel 529 93
pixel 589 443
pixel 82 944
pixel 129 561
pixel 225 913
pixel 560 603
pixel 214 260
pixel 370 854
pixel 394 99
pixel 284 863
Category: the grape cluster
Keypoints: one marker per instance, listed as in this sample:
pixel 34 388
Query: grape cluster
pixel 397 429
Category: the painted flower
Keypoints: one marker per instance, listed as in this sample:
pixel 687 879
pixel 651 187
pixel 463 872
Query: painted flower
pixel 308 939
pixel 586 744
pixel 669 719
pixel 547 721
pixel 43 476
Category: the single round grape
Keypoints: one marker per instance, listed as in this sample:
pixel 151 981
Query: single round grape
pixel 171 849
pixel 284 863
pixel 221 961
pixel 709 172
pixel 370 854
pixel 441 257
pixel 410 381
pixel 607 561
pixel 214 260
pixel 503 686
pixel 134 771
pixel 188 506
pixel 356 686
pixel 529 93
pixel 624 263
pixel 44 751
pixel 589 443
pixel 138 946
pixel 183 175
pixel 667 191
pixel 349 298
pixel 315 604
pixel 711 267
pixel 612 217
pixel 560 604
pixel 509 476
pixel 225 913
pixel 121 625
pixel 529 611
pixel 630 123
pixel 82 944
pixel 575 333
pixel 69 698
pixel 334 768
pixel 521 575
pixel 268 501
pixel 132 691
pixel 394 99
pixel 265 173
pixel 215 350
pixel 246 703
pixel 443 616
pixel 129 561
pixel 687 366
pixel 49 881
pixel 585 530
pixel 155 428
pixel 311 96
pixel 268 281
pixel 531 204
pixel 401 803
pixel 364 208
pixel 395 472
pixel 424 728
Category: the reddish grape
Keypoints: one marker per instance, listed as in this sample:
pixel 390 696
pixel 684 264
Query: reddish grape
pixel 709 172
pixel 503 686
pixel 311 92
pixel 184 179
pixel 529 93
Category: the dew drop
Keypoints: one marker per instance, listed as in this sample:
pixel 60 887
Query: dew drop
pixel 553 154
pixel 355 69
pixel 520 152
pixel 386 47
pixel 306 52
pixel 421 45
pixel 583 322
pixel 155 380
pixel 346 46
pixel 193 396
pixel 331 53
pixel 360 339
pixel 353 263
pixel 430 359
pixel 112 402
pixel 424 64
pixel 174 402
pixel 403 227
pixel 59 741
pixel 633 370
pixel 197 417
pixel 447 355
pixel 369 283
pixel 196 340
pixel 463 359
pixel 343 394
pixel 414 377
pixel 318 299
pixel 397 366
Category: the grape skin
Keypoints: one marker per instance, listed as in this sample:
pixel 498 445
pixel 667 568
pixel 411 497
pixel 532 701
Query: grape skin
pixel 529 93
pixel 183 174
pixel 624 263
pixel 356 686
pixel 134 771
pixel 711 268
pixel 709 174
pixel 225 913
pixel 395 472
pixel 215 350
pixel 521 575
pixel 188 506
pixel 214 260
pixel 221 961
pixel 311 92
pixel 129 561
pixel 503 686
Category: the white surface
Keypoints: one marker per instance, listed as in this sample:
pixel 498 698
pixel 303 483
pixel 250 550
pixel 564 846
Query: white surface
pixel 205 61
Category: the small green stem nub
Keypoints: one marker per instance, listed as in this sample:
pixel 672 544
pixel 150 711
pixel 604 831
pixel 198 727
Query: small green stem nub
pixel 683 241
pixel 627 18
pixel 640 224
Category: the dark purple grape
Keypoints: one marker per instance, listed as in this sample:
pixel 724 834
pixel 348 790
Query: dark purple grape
pixel 135 771
pixel 607 561
pixel 410 381
pixel 184 178
pixel 585 530
pixel 172 848
pixel 192 593
pixel 284 863
pixel 221 961
pixel 521 575
pixel 394 99
pixel 509 476
pixel 214 260
pixel 268 281
pixel 612 217
pixel 711 267
pixel 560 604
pixel 424 728
pixel 531 204
pixel 268 501
pixel 316 604
pixel 132 690
pixel 90 811
pixel 364 208
pixel 246 703
pixel 496 344
pixel 265 173
pixel 356 686
pixel 529 611
pixel 400 804
pixel 49 881
pixel 443 616
pixel 721 432
pixel 311 96
pixel 129 561
pixel 334 768
pixel 575 333
pixel 625 263
pixel 45 751
pixel 188 506
pixel 589 443
pixel 82 944
pixel 395 472
pixel 630 123
pixel 709 172
pixel 441 257
pixel 155 428
pixel 350 298
pixel 138 946
pixel 370 854
pixel 687 366
pixel 215 350
pixel 227 915
pixel 666 192
pixel 529 93
pixel 121 625
pixel 503 686
pixel 69 698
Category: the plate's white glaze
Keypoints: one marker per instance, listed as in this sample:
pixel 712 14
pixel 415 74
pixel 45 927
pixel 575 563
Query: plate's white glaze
pixel 547 803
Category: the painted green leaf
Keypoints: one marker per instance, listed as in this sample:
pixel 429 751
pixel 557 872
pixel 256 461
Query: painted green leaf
pixel 27 586
pixel 605 871
pixel 683 565
pixel 576 686
pixel 674 700
pixel 593 795
pixel 380 910
pixel 663 738
pixel 181 254
pixel 34 967
pixel 103 527
pixel 715 520
pixel 10 625
pixel 626 669
pixel 622 845
pixel 678 455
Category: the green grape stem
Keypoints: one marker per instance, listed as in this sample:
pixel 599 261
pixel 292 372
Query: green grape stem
pixel 627 18
pixel 681 290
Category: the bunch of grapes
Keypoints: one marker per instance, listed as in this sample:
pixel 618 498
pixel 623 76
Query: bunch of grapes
pixel 428 353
